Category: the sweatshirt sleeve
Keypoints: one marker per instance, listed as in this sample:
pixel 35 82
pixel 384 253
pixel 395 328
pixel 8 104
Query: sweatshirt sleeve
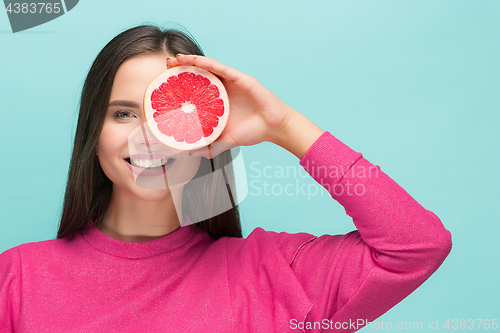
pixel 10 290
pixel 352 279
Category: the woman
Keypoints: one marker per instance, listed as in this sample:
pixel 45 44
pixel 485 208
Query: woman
pixel 122 263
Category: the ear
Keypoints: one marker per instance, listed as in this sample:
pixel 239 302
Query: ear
pixel 97 149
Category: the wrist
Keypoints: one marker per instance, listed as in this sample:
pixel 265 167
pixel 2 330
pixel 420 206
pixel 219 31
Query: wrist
pixel 296 134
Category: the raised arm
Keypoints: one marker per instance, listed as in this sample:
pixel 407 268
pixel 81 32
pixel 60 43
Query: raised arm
pixel 397 246
pixel 398 243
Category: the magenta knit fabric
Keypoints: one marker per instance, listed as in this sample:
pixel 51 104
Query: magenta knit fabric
pixel 268 282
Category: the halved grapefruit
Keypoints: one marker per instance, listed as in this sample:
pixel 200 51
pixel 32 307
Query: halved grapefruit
pixel 186 107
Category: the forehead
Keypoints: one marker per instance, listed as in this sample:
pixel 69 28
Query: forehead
pixel 134 76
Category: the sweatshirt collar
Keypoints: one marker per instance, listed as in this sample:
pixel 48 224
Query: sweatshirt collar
pixel 135 250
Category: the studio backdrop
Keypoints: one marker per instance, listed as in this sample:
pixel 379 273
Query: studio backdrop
pixel 412 85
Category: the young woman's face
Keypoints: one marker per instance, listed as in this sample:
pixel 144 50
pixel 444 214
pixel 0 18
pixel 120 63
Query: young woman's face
pixel 128 153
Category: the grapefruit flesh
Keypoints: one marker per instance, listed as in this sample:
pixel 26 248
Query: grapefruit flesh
pixel 186 107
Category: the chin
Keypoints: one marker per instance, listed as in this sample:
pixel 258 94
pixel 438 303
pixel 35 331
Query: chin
pixel 151 195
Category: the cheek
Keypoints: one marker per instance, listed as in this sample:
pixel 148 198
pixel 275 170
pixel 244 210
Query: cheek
pixel 184 171
pixel 192 167
pixel 113 142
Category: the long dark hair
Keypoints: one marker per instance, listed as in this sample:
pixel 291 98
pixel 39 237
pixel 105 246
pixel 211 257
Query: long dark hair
pixel 88 189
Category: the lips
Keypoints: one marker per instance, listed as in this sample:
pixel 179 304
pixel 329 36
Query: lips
pixel 149 165
pixel 148 161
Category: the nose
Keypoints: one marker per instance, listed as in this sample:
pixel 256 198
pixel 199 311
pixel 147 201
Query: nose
pixel 143 138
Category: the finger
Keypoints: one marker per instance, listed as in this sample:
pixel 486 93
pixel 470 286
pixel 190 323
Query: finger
pixel 244 82
pixel 172 62
pixel 213 149
pixel 211 65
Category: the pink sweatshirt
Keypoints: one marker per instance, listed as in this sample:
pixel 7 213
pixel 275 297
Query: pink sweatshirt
pixel 268 282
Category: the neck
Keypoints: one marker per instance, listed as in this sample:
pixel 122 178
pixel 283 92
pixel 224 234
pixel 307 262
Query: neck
pixel 131 219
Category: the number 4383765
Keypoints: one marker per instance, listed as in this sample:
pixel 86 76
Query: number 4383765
pixel 33 8
pixel 471 324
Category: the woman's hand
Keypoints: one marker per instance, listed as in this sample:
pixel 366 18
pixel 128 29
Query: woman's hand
pixel 256 114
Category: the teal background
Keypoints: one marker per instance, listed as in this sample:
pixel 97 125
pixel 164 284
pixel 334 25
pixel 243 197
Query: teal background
pixel 413 85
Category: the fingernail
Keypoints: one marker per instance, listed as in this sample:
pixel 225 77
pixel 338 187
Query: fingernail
pixel 179 54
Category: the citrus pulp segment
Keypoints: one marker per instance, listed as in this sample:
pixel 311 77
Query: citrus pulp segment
pixel 186 107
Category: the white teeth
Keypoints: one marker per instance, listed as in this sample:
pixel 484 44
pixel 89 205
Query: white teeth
pixel 148 164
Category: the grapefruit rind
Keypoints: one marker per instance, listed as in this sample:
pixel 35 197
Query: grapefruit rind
pixel 169 140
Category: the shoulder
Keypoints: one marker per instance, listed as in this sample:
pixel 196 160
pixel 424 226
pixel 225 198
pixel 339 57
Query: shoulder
pixel 298 252
pixel 9 259
pixel 290 244
pixel 35 252
pixel 261 281
pixel 261 243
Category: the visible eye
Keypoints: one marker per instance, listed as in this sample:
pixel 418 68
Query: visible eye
pixel 122 115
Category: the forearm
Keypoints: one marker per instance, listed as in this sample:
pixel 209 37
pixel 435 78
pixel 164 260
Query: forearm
pixel 297 134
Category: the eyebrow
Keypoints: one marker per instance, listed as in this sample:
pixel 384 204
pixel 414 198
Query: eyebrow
pixel 129 104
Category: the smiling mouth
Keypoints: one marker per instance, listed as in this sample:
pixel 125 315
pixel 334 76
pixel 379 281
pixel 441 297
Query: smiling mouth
pixel 149 163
